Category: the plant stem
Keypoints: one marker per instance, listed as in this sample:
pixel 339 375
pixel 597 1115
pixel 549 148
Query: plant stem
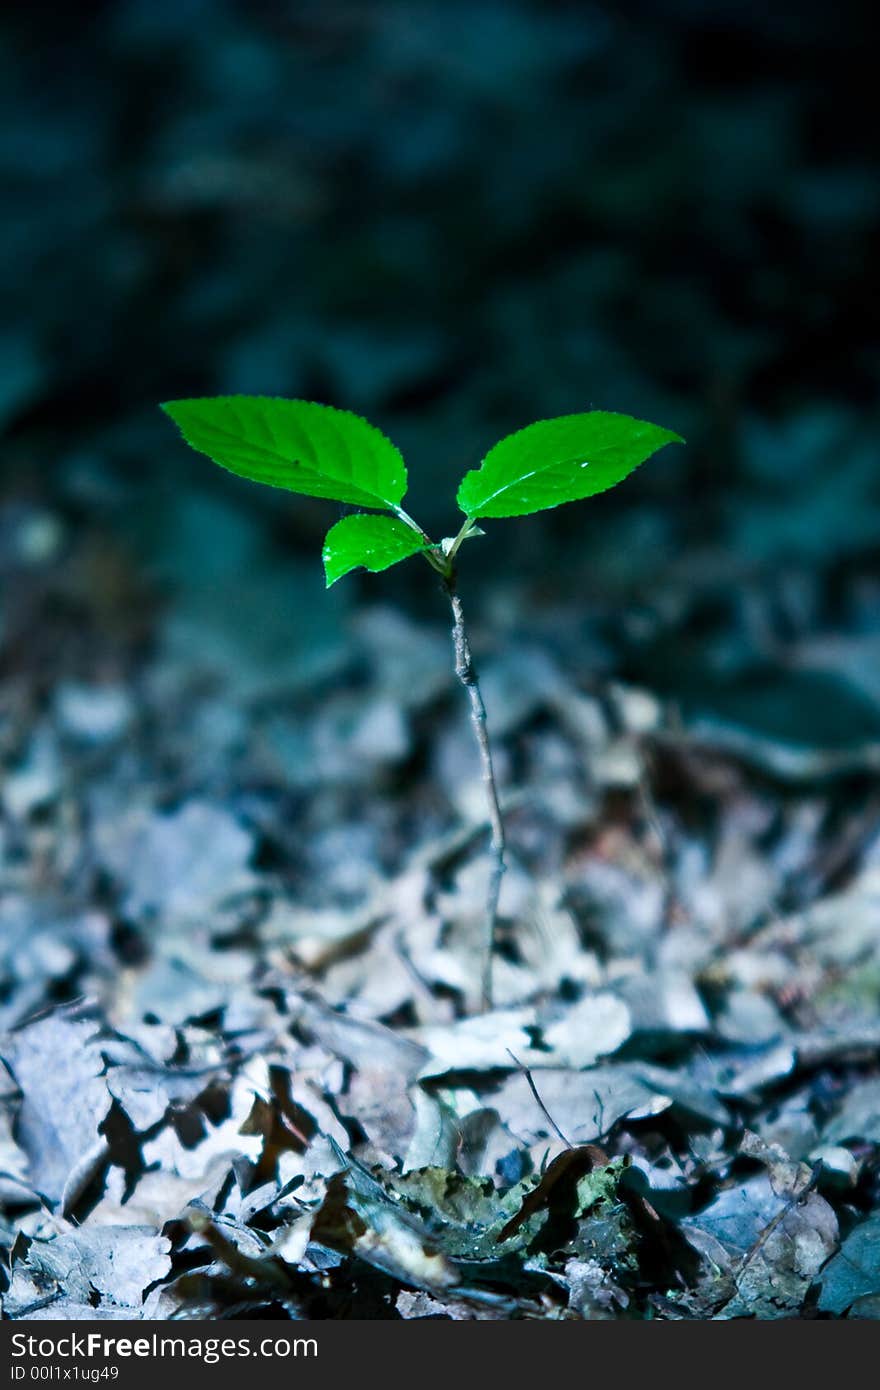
pixel 466 672
pixel 463 534
pixel 432 555
pixel 414 525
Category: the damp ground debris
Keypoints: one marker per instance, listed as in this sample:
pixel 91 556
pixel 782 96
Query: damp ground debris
pixel 245 1067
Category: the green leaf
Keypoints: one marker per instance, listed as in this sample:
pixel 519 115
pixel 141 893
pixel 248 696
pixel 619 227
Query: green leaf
pixel 376 542
pixel 556 461
pixel 307 448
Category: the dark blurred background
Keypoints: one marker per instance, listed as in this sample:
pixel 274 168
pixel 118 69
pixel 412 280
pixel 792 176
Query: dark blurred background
pixel 454 218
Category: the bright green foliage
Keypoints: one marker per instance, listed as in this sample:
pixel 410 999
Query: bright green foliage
pixel 308 448
pixel 556 461
pixel 376 542
pixel 320 451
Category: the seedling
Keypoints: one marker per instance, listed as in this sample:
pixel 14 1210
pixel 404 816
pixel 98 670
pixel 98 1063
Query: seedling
pixel 319 451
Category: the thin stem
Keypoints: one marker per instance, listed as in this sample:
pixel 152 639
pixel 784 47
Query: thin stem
pixel 413 525
pixel 541 1106
pixel 433 555
pixel 442 559
pixel 466 672
pixel 462 536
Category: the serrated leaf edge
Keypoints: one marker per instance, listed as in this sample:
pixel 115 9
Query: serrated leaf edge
pixel 673 438
pixel 381 503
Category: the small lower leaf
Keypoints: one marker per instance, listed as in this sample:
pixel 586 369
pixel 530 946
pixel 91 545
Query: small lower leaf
pixel 375 542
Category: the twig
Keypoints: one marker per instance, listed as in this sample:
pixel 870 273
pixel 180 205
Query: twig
pixel 466 672
pixel 796 1199
pixel 246 1267
pixel 542 1107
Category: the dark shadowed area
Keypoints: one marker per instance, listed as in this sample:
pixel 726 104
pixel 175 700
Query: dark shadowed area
pixel 242 829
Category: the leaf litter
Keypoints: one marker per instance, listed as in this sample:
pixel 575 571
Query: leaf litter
pixel 243 1063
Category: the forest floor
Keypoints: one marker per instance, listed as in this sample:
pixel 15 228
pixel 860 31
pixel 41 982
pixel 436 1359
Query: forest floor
pixel 247 1071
